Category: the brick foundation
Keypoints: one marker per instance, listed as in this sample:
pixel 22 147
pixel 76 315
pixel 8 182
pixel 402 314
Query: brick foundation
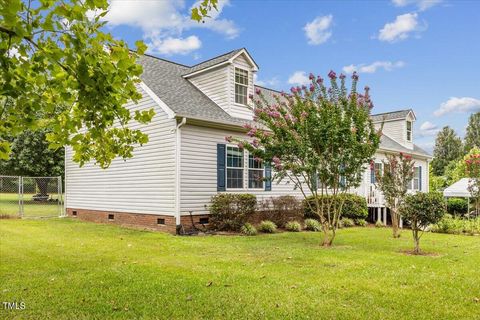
pixel 137 220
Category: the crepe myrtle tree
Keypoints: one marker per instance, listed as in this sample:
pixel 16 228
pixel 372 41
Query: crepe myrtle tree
pixel 472 170
pixel 393 183
pixel 319 139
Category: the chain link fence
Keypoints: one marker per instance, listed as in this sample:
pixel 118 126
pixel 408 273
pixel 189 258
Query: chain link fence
pixel 31 196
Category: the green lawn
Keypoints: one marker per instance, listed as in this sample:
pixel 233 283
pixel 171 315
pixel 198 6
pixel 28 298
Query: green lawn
pixel 67 269
pixel 9 206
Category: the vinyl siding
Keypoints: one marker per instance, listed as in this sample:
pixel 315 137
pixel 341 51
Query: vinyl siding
pixel 142 184
pixel 199 170
pixel 237 110
pixel 365 186
pixel 216 85
pixel 397 130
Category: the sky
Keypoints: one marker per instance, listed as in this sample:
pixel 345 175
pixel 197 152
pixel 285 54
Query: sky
pixel 419 54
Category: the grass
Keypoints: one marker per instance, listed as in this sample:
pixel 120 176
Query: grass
pixel 68 269
pixel 9 206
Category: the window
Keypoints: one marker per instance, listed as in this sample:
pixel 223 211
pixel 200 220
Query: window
pixel 377 169
pixel 160 220
pixel 234 168
pixel 241 86
pixel 409 130
pixel 416 178
pixel 255 173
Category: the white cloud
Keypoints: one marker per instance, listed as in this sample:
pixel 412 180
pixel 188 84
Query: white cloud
pixel 373 67
pixel 318 31
pixel 299 78
pixel 401 28
pixel 422 5
pixel 170 46
pixel 428 129
pixel 272 82
pixel 164 22
pixel 454 104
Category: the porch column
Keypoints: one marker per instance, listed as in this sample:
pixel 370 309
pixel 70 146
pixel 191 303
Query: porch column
pixel 377 209
pixel 384 215
pixel 401 223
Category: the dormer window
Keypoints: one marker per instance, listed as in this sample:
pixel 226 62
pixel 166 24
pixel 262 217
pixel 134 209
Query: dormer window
pixel 241 86
pixel 409 131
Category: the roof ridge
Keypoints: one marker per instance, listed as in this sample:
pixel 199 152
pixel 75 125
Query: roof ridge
pixel 378 114
pixel 263 87
pixel 220 55
pixel 165 60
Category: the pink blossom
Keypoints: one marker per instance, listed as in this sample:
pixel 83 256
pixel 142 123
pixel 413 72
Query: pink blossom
pixel 311 76
pixel 258 91
pixel 355 75
pixel 304 114
pixel 332 75
pixel 255 143
pixel 312 88
pixel 252 132
pixel 293 90
pixel 247 126
pixel 342 76
pixel 228 139
pixel 319 80
pixel 240 145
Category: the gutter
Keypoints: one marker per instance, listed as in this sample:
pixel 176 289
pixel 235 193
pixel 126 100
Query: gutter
pixel 178 141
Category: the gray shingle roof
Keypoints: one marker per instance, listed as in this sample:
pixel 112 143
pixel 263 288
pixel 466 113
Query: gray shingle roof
pixel 165 79
pixel 389 144
pixel 400 114
pixel 213 61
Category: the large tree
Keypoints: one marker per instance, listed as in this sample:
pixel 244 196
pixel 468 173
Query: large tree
pixel 472 137
pixel 32 157
pixel 393 182
pixel 448 147
pixel 61 71
pixel 319 139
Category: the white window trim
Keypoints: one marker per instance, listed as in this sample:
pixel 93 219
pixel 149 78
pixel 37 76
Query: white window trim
pixel 227 167
pixel 241 84
pixel 245 167
pixel 411 131
pixel 257 169
pixel 411 183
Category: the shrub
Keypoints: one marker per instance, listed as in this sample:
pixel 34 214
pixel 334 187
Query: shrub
pixel 457 206
pixel 422 210
pixel 312 225
pixel 361 222
pixel 354 207
pixel 293 226
pixel 347 222
pixel 456 225
pixel 231 211
pixel 379 224
pixel 267 226
pixel 281 209
pixel 248 229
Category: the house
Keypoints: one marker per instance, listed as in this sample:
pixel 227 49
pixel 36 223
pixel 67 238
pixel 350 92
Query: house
pixel 187 161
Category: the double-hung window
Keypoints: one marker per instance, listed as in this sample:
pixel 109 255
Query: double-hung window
pixel 255 173
pixel 416 178
pixel 234 168
pixel 409 131
pixel 241 86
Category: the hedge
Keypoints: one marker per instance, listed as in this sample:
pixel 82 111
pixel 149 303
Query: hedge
pixel 230 211
pixel 354 206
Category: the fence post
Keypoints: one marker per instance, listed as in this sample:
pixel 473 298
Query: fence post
pixel 60 197
pixel 20 186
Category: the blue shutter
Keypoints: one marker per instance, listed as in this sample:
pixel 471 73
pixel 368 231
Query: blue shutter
pixel 221 174
pixel 372 174
pixel 420 178
pixel 268 177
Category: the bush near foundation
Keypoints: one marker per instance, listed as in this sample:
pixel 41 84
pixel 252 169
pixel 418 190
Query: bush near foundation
pixel 354 206
pixel 230 212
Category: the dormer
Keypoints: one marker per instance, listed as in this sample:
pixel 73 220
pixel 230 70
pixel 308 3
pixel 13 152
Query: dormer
pixel 397 125
pixel 227 80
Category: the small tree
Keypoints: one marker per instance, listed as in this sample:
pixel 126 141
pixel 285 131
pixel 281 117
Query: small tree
pixel 393 182
pixel 320 139
pixel 421 210
pixel 472 170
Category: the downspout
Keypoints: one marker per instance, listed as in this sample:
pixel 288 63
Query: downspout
pixel 178 143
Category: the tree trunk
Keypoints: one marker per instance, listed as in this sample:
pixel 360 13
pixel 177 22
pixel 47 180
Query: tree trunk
pixel 395 223
pixel 42 184
pixel 328 236
pixel 416 241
